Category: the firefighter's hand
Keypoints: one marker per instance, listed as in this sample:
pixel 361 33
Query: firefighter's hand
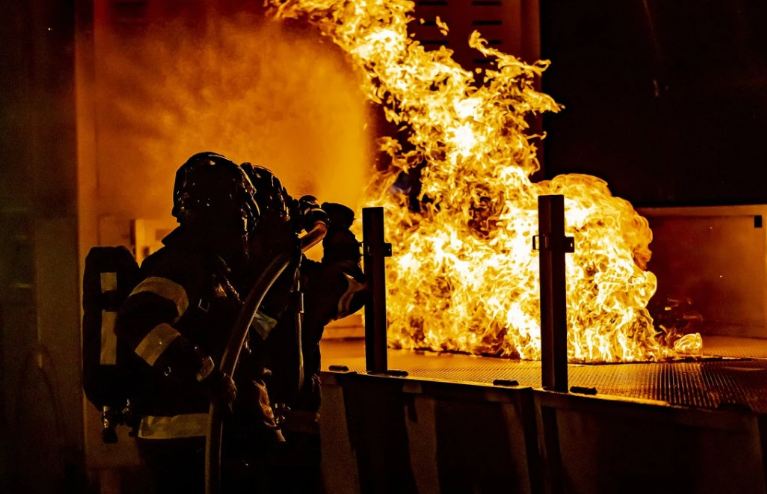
pixel 255 407
pixel 341 217
pixel 220 388
pixel 254 403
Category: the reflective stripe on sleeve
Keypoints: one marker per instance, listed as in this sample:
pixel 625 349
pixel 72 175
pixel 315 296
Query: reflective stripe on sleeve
pixel 155 342
pixel 108 282
pixel 263 324
pixel 167 289
pixel 345 302
pixel 108 354
pixel 173 427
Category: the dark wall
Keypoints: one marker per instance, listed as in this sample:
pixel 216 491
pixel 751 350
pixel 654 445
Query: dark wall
pixel 665 100
pixel 40 404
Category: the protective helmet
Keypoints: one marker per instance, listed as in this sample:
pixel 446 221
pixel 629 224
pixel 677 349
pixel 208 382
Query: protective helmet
pixel 211 191
pixel 272 198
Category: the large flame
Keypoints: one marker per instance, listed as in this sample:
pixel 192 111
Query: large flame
pixel 465 276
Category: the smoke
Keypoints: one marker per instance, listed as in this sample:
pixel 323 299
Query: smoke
pixel 249 89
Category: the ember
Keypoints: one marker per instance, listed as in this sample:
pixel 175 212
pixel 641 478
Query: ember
pixel 465 276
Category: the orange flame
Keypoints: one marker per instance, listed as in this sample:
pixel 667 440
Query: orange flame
pixel 465 276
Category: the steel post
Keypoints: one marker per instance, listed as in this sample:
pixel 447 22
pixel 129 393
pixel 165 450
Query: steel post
pixel 375 251
pixel 552 245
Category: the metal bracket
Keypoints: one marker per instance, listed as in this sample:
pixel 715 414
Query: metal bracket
pixel 371 249
pixel 510 383
pixel 543 242
pixel 540 242
pixel 584 390
pixel 569 245
pixel 338 368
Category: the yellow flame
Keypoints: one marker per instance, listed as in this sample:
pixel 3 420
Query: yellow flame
pixel 465 276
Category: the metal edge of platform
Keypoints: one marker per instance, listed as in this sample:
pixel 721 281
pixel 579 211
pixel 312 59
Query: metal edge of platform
pixel 412 384
pixel 550 420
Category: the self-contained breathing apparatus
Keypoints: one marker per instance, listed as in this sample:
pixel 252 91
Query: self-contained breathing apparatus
pixel 113 377
pixel 211 196
pixel 109 373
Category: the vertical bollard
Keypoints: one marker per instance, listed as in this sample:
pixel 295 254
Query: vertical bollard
pixel 375 250
pixel 552 245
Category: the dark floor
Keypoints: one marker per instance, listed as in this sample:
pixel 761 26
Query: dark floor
pixel 733 374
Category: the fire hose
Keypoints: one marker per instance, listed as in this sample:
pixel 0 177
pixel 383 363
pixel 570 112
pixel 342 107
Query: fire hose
pixel 231 355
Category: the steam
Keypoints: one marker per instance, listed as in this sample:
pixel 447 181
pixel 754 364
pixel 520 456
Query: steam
pixel 251 90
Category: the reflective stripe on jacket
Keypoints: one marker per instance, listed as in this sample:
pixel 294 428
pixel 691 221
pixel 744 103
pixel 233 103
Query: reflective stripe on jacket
pixel 174 319
pixel 173 427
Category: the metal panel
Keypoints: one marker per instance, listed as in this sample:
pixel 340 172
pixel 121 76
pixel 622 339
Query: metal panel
pixel 481 437
pixel 410 435
pixel 375 413
pixel 592 445
pixel 465 438
pixel 339 466
pixel 714 257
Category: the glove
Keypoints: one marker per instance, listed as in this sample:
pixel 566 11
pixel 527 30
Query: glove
pixel 254 407
pixel 269 240
pixel 254 403
pixel 218 386
pixel 340 244
pixel 340 216
pixel 307 212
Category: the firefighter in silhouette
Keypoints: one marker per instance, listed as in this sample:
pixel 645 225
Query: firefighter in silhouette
pixel 308 296
pixel 178 319
pixel 232 221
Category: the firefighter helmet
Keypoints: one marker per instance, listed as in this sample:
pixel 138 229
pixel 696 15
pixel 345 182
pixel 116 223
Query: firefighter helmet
pixel 211 191
pixel 271 196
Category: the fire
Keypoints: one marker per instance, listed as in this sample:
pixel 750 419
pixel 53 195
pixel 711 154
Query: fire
pixel 465 276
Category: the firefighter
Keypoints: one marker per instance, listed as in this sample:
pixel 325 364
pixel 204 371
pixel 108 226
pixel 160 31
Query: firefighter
pixel 311 295
pixel 177 321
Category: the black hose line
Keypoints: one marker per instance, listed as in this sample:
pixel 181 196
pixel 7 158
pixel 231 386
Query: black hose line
pixel 231 355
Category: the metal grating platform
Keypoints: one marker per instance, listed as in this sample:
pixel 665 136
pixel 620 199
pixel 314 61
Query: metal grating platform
pixel 731 383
